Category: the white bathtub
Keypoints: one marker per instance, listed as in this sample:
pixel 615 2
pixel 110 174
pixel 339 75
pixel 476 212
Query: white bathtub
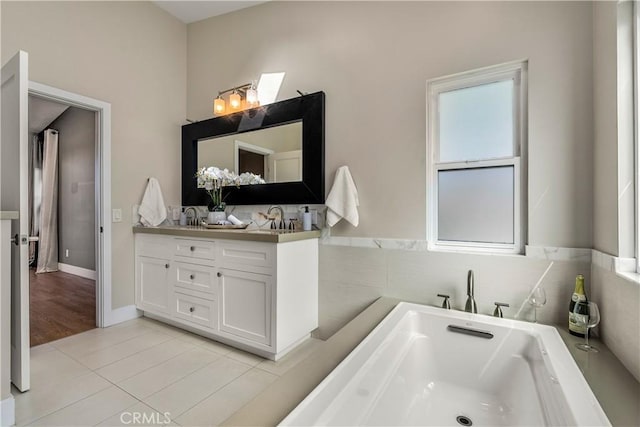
pixel 413 370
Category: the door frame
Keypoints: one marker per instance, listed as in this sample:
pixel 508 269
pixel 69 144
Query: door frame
pixel 104 314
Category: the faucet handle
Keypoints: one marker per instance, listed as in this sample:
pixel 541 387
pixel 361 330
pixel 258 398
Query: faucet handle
pixel 498 310
pixel 445 303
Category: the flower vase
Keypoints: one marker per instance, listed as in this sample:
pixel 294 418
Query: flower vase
pixel 216 216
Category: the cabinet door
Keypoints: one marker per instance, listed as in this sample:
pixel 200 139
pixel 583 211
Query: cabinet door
pixel 245 301
pixel 152 290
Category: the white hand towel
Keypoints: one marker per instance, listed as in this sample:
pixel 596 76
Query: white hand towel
pixel 343 199
pixel 152 210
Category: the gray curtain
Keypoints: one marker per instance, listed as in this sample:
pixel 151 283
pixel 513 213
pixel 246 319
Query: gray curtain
pixel 35 194
pixel 48 243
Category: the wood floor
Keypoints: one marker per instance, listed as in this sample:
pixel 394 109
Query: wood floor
pixel 61 305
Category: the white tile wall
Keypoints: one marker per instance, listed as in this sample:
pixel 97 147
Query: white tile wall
pixel 353 277
pixel 619 302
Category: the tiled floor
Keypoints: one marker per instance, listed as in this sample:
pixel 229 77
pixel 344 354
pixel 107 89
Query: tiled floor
pixel 143 372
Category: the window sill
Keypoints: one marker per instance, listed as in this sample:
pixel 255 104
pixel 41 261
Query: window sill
pixel 625 268
pixel 629 276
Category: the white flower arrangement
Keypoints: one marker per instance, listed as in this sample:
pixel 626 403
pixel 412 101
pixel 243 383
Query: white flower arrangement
pixel 213 179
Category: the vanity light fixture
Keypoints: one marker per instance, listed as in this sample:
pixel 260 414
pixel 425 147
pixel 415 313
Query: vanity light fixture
pixel 243 96
pixel 235 100
pixel 219 105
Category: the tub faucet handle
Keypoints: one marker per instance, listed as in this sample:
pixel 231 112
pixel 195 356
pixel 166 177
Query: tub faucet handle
pixel 498 310
pixel 445 303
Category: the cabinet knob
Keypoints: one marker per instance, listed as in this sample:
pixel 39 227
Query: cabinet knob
pixel 192 309
pixel 192 248
pixel 193 276
pixel 219 274
pixel 166 266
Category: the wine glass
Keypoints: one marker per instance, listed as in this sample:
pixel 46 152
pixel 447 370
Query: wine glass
pixel 587 315
pixel 537 299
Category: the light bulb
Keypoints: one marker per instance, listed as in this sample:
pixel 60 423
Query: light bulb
pixel 235 100
pixel 252 97
pixel 218 106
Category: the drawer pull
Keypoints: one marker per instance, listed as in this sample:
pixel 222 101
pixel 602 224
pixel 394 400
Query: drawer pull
pixel 192 248
pixel 166 266
pixel 193 276
pixel 219 274
pixel 192 309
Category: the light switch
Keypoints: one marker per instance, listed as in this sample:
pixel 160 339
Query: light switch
pixel 116 215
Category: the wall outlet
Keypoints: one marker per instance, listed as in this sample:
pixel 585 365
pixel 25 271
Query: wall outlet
pixel 66 253
pixel 175 213
pixel 116 215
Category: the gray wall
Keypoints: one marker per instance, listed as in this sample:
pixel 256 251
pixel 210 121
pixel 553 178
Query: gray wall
pixel 128 53
pixel 76 187
pixel 617 296
pixel 373 59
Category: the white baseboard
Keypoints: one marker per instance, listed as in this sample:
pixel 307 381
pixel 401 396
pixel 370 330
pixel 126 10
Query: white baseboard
pixel 8 411
pixel 77 271
pixel 122 314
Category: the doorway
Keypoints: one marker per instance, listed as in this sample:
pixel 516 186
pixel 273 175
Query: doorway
pixel 62 219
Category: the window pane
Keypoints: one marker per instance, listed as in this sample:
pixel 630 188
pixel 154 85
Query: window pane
pixel 476 122
pixel 476 205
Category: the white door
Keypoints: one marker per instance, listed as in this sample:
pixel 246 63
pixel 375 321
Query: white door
pixel 285 166
pixel 13 197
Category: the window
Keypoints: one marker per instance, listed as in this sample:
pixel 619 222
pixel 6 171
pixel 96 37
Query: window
pixel 476 146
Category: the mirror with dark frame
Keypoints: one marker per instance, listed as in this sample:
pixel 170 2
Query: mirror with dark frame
pixel 283 140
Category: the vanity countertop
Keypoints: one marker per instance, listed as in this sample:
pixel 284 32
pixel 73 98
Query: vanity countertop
pixel 247 234
pixel 615 388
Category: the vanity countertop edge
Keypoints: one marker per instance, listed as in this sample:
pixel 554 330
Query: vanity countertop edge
pixel 254 235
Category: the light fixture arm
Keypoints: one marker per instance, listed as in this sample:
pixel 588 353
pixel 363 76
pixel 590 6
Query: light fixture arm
pixel 242 88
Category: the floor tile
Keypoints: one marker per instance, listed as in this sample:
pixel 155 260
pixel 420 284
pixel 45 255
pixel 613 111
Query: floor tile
pixel 42 348
pixel 165 328
pixel 166 373
pixel 290 360
pixel 187 392
pixel 124 349
pixel 90 341
pixel 91 410
pixel 209 344
pixel 139 362
pixel 222 404
pixel 53 366
pixel 45 400
pixel 138 415
pixel 244 357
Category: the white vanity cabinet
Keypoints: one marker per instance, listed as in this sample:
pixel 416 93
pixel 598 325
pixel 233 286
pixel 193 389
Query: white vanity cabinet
pixel 258 296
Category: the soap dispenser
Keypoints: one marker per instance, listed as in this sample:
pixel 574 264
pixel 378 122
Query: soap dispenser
pixel 306 219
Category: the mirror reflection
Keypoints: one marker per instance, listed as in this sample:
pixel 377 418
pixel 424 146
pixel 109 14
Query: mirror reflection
pixel 273 153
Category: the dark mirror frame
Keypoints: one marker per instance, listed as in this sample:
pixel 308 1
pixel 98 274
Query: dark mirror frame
pixel 308 108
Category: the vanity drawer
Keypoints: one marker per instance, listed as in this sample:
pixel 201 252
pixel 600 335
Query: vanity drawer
pixel 200 249
pixel 196 310
pixel 251 256
pixel 196 277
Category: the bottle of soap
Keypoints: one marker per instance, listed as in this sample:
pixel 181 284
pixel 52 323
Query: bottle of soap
pixel 306 219
pixel 576 325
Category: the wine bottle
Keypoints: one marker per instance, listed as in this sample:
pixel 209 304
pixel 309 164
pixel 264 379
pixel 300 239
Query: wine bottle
pixel 578 318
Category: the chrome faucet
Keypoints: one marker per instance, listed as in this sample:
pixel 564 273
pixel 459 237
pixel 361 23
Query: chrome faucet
pixel 470 306
pixel 193 220
pixel 281 217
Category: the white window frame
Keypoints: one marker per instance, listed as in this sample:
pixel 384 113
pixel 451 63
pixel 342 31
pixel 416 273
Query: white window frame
pixel 516 71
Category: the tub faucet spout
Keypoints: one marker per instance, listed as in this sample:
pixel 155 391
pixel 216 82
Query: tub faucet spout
pixel 470 306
